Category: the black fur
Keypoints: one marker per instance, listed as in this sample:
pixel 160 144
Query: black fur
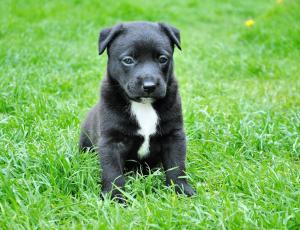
pixel 110 127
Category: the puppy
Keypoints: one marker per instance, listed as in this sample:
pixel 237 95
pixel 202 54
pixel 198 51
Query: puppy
pixel 138 120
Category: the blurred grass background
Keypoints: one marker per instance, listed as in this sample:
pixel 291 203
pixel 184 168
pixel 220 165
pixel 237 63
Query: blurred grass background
pixel 240 90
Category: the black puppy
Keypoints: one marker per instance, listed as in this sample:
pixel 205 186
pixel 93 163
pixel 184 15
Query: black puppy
pixel 138 118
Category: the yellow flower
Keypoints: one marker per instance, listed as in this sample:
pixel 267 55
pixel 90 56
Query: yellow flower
pixel 279 1
pixel 249 22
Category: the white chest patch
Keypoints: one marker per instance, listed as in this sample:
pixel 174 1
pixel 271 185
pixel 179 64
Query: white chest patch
pixel 147 119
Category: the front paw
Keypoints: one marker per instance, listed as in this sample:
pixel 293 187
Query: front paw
pixel 114 195
pixel 184 188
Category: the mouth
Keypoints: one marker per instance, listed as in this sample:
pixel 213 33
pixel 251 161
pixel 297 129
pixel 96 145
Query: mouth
pixel 143 97
pixel 143 100
pixel 147 100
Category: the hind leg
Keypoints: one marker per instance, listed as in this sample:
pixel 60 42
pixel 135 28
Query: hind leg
pixel 89 136
pixel 85 142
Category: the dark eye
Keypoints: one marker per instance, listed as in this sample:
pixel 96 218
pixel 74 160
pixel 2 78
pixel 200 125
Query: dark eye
pixel 163 59
pixel 128 60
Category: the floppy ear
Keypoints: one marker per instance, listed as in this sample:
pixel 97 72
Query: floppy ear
pixel 173 33
pixel 106 36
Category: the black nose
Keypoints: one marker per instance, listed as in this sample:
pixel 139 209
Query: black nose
pixel 149 86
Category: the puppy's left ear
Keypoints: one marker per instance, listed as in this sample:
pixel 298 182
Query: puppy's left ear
pixel 106 36
pixel 172 32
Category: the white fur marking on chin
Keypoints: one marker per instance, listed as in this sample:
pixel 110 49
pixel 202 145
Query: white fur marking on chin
pixel 147 119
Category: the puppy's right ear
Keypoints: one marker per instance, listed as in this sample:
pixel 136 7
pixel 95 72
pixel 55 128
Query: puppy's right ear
pixel 106 37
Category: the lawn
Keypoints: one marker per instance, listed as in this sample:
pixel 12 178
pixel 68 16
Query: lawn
pixel 240 88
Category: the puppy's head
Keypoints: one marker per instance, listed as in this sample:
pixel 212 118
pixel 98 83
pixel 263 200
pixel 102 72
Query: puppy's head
pixel 140 57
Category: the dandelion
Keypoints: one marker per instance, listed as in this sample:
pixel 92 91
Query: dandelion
pixel 249 23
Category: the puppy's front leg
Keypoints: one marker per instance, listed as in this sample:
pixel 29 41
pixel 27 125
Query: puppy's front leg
pixel 173 159
pixel 112 164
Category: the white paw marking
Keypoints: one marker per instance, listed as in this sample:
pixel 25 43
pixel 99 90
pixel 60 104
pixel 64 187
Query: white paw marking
pixel 147 120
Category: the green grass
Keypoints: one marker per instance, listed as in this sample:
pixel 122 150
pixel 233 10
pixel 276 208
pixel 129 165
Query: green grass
pixel 240 88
